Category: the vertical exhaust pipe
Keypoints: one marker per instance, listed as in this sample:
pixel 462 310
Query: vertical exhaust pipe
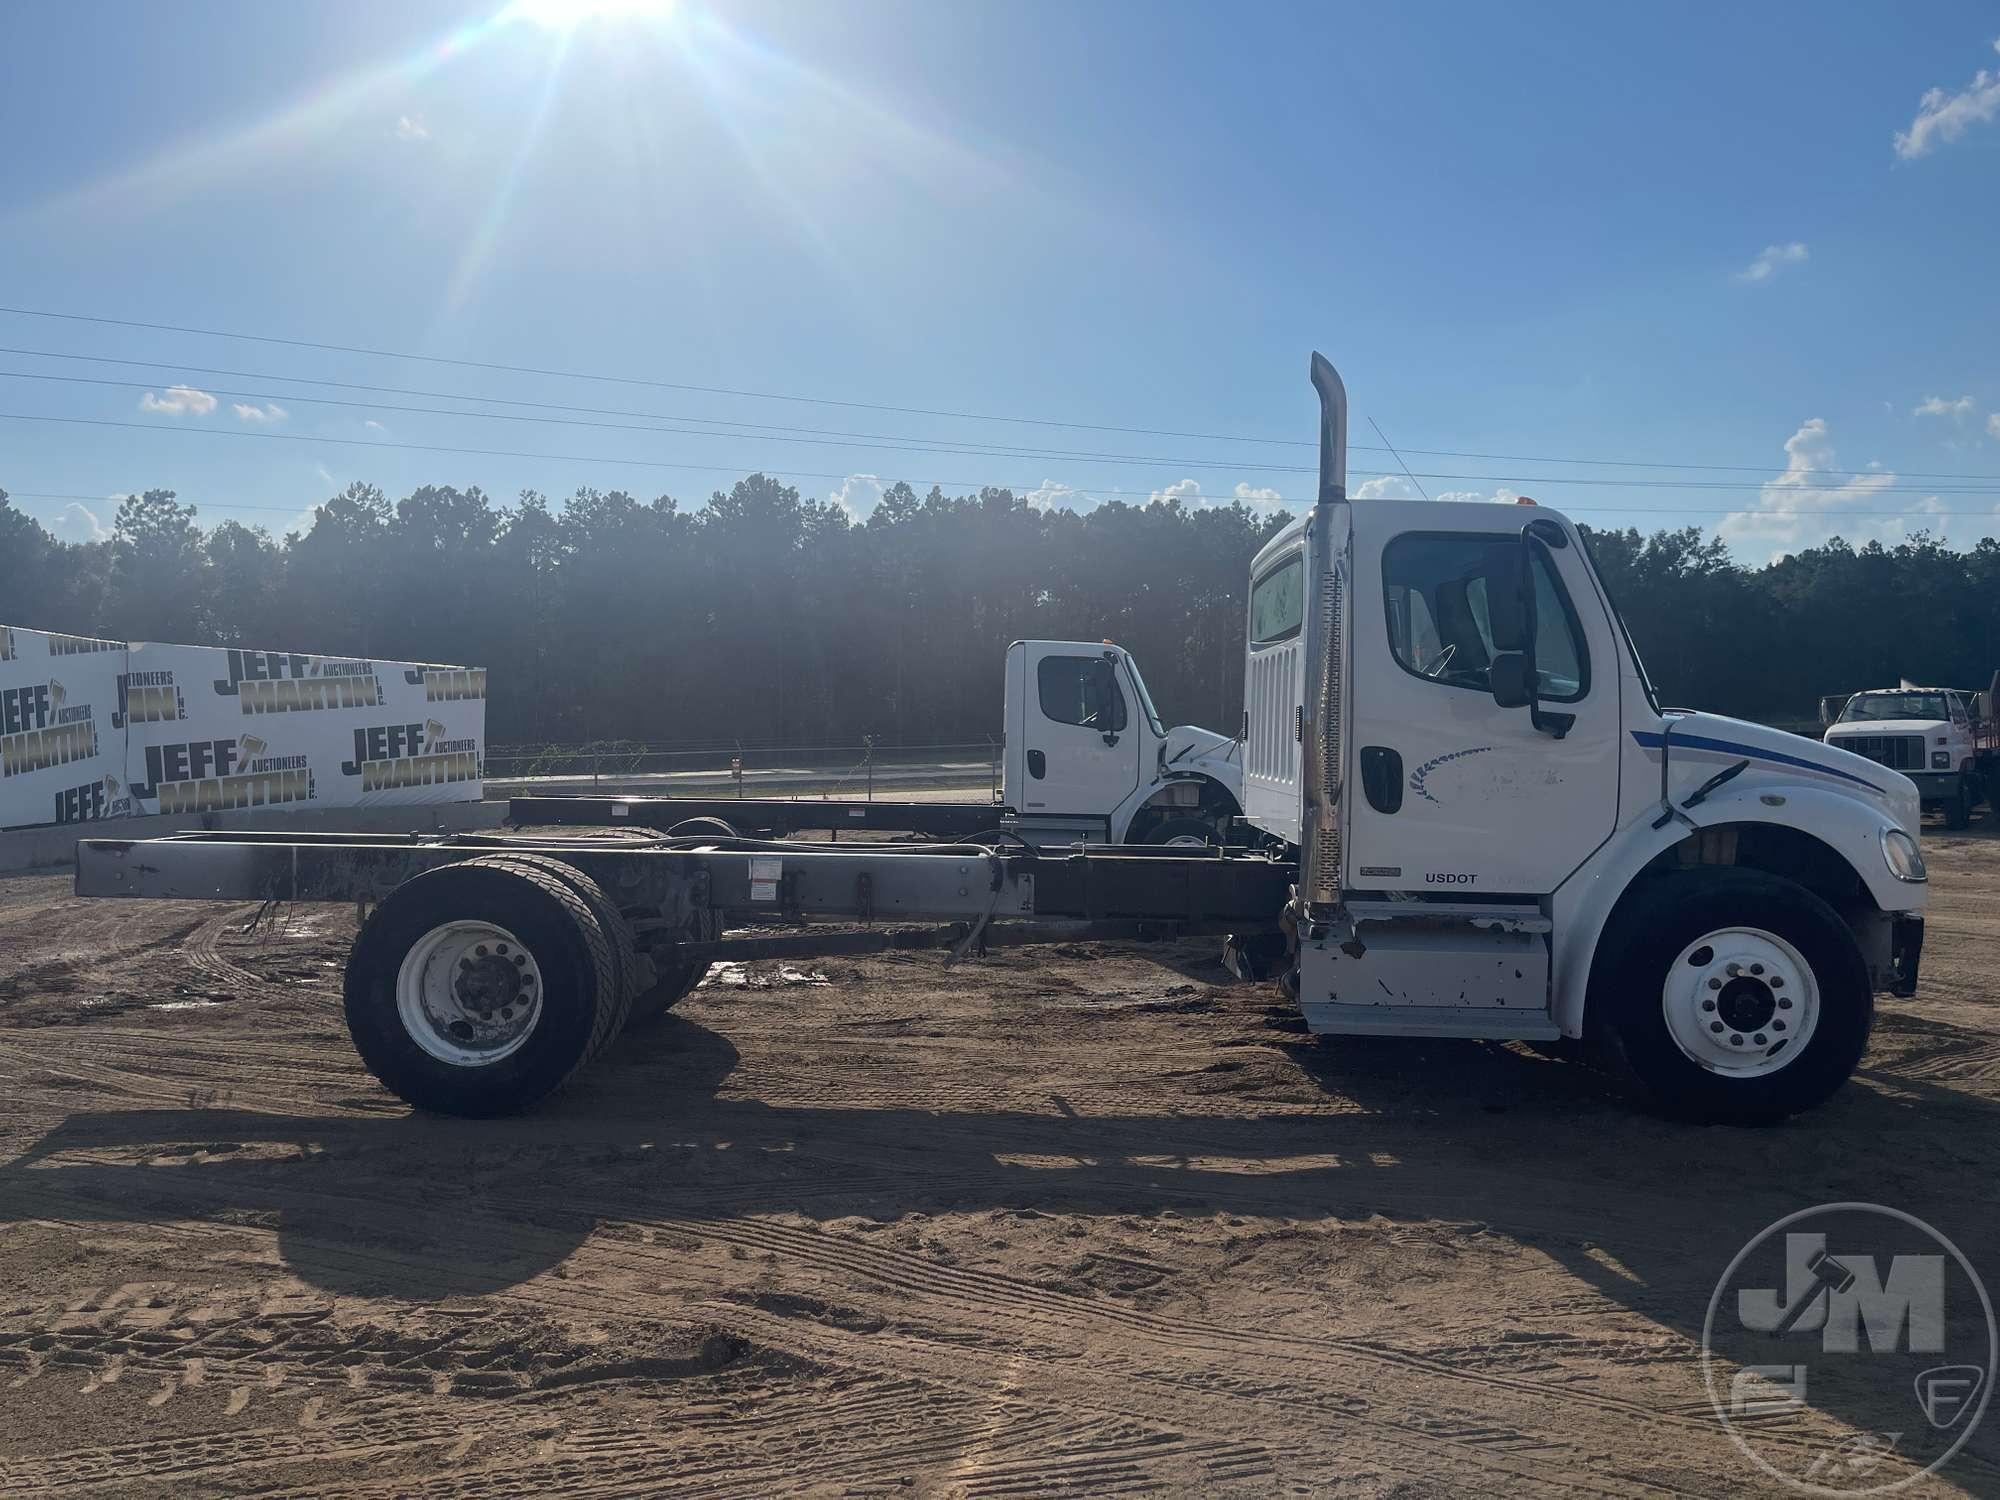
pixel 1321 749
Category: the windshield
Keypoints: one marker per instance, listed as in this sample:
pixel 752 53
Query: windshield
pixel 1863 707
pixel 1145 698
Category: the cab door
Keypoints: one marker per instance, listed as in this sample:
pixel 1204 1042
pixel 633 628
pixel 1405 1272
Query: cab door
pixel 1082 741
pixel 1447 791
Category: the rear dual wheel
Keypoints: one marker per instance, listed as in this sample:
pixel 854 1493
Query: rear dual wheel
pixel 481 988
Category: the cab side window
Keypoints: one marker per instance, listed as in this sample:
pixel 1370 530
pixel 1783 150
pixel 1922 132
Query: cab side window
pixel 1081 690
pixel 1278 603
pixel 1451 601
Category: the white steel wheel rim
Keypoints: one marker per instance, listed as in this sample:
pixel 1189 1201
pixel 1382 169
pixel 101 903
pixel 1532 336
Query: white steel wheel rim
pixel 1187 841
pixel 1741 1002
pixel 469 993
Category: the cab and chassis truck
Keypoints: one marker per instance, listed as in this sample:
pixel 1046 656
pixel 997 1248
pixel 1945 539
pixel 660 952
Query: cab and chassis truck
pixel 1479 821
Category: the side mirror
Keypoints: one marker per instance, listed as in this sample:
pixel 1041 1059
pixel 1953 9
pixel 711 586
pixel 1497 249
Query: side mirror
pixel 1512 679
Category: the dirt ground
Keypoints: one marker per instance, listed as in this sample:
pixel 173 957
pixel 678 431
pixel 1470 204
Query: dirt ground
pixel 1082 1222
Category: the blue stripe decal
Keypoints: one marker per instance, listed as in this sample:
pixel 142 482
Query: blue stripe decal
pixel 1652 740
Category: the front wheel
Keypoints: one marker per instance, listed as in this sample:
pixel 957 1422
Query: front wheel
pixel 1734 996
pixel 1958 808
pixel 1184 833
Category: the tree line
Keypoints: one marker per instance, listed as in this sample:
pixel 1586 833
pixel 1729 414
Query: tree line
pixel 772 618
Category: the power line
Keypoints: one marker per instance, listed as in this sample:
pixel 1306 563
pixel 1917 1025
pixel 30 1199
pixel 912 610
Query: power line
pixel 663 385
pixel 1500 479
pixel 1223 437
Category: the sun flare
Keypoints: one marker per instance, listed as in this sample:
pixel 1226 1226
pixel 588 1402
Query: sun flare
pixel 567 15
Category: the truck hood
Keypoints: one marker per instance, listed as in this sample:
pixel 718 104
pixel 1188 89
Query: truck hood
pixel 1887 726
pixel 1185 743
pixel 1780 753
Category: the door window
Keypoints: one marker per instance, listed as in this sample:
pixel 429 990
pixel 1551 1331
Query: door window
pixel 1278 602
pixel 1081 690
pixel 1449 599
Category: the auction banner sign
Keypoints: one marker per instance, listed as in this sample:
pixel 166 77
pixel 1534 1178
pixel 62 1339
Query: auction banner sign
pixel 62 740
pixel 196 729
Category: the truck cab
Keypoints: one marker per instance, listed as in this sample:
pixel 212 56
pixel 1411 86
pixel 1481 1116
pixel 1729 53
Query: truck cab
pixel 1929 734
pixel 1088 759
pixel 1501 832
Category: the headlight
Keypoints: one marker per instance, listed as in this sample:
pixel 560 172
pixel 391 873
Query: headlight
pixel 1940 760
pixel 1904 858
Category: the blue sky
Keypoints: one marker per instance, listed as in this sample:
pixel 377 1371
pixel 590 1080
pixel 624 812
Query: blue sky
pixel 1761 237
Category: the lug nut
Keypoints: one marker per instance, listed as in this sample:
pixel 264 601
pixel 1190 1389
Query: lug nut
pixel 1784 1002
pixel 506 1013
pixel 1708 1005
pixel 520 960
pixel 1777 1025
pixel 1715 1026
pixel 480 950
pixel 1734 969
pixel 1756 968
pixel 1760 1039
pixel 1777 982
pixel 1715 984
pixel 1735 1038
pixel 499 947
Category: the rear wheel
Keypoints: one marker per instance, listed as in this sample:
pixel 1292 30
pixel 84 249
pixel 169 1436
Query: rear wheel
pixel 480 988
pixel 1734 996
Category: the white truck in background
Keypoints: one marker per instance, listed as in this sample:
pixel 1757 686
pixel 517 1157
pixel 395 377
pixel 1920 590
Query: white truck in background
pixel 1478 821
pixel 1943 739
pixel 1088 760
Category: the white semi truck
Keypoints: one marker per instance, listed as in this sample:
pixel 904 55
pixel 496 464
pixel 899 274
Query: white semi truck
pixel 1479 822
pixel 1941 738
pixel 1086 758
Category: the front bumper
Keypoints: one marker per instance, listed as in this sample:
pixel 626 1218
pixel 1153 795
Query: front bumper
pixel 1906 950
pixel 1935 786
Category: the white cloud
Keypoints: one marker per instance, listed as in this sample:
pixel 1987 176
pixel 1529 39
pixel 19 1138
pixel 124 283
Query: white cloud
pixel 1765 266
pixel 412 128
pixel 858 494
pixel 1799 504
pixel 1187 491
pixel 1946 117
pixel 270 411
pixel 78 523
pixel 1385 487
pixel 374 426
pixel 179 401
pixel 1053 494
pixel 1940 406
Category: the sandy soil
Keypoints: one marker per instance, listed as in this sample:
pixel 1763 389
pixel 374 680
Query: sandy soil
pixel 1082 1222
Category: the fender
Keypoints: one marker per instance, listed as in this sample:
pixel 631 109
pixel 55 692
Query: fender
pixel 1849 826
pixel 1195 770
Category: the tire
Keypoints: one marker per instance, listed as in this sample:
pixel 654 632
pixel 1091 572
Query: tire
pixel 633 974
pixel 393 988
pixel 1663 983
pixel 675 981
pixel 1188 831
pixel 1958 811
pixel 702 828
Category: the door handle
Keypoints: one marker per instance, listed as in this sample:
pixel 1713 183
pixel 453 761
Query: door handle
pixel 1110 738
pixel 1382 778
pixel 1038 764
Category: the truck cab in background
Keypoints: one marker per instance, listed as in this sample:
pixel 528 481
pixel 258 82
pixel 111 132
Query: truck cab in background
pixel 1501 833
pixel 1935 736
pixel 1088 760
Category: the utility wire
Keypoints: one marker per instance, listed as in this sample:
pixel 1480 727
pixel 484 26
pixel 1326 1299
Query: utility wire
pixel 740 467
pixel 1224 437
pixel 663 385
